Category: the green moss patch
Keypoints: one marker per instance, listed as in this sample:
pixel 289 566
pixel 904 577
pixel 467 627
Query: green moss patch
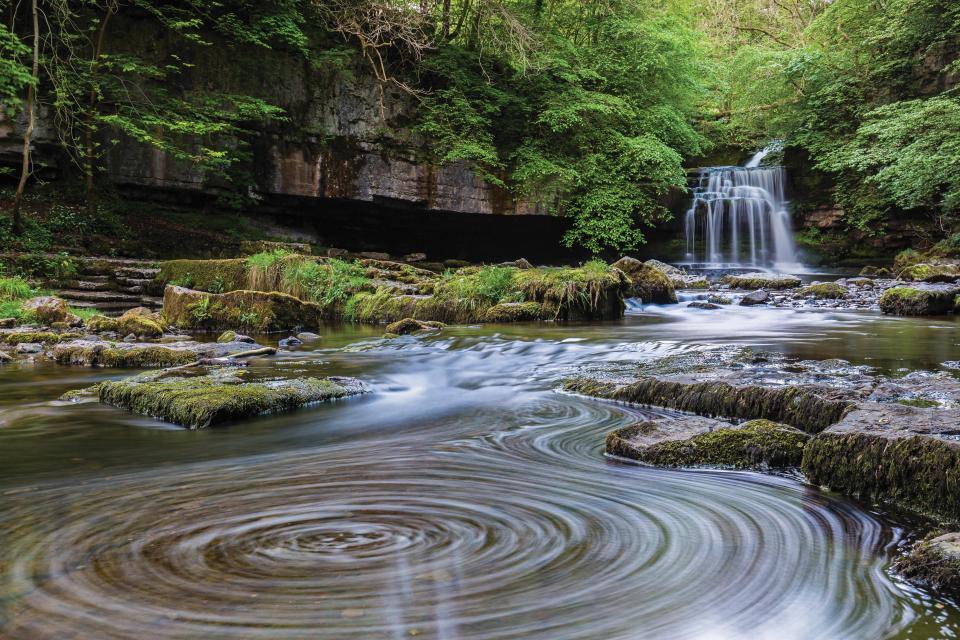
pixel 761 281
pixel 755 444
pixel 46 337
pixel 243 309
pixel 825 291
pixel 198 402
pixel 103 354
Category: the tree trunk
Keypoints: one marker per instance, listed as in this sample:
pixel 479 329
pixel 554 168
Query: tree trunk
pixel 31 124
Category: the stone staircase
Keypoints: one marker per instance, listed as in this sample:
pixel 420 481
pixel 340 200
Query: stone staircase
pixel 110 285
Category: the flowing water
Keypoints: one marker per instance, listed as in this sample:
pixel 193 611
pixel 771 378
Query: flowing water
pixel 465 499
pixel 738 217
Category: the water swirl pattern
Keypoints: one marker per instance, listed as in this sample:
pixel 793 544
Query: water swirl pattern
pixel 466 499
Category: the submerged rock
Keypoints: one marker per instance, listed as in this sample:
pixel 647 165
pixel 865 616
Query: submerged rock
pixel 648 283
pixel 197 402
pixel 696 442
pixel 761 281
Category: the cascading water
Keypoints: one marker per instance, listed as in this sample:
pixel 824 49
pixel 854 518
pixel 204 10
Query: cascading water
pixel 739 217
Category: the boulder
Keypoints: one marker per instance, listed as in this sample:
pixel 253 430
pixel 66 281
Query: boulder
pixel 48 309
pixel 649 284
pixel 8 323
pixel 308 336
pixel 824 291
pixel 700 304
pixel 140 322
pixel 875 272
pixel 717 299
pixel 29 347
pixel 697 442
pixel 919 300
pixel 774 281
pixel 937 271
pixel 408 326
pixel 757 297
pixel 198 402
pixel 668 269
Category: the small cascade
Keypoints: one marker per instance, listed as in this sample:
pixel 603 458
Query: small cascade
pixel 739 217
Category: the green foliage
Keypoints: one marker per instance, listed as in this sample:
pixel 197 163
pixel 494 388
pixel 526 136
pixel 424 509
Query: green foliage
pixel 14 73
pixel 14 289
pixel 327 283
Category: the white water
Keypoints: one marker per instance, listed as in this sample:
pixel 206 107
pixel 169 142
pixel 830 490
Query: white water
pixel 739 217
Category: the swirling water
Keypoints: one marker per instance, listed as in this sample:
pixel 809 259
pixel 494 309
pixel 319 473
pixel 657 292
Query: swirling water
pixel 467 498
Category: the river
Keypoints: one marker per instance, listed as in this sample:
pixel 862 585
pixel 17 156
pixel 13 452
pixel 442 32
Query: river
pixel 466 498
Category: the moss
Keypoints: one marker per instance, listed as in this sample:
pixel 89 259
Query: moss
pixel 825 291
pixel 514 312
pixel 924 272
pixel 760 281
pixel 104 355
pixel 789 405
pixel 18 337
pixel 755 444
pixel 225 275
pixel 227 336
pixel 406 327
pixel 203 401
pixel 647 282
pixel 910 301
pixel 920 403
pixel 139 326
pixel 918 473
pixel 98 324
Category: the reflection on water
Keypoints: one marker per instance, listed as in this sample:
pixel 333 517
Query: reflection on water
pixel 465 499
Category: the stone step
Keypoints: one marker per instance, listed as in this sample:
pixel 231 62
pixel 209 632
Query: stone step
pixel 92 285
pixel 133 282
pixel 142 272
pixel 117 307
pixel 138 289
pixel 97 296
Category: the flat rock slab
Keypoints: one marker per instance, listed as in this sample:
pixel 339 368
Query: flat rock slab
pixel 198 402
pixel 101 353
pixel 693 441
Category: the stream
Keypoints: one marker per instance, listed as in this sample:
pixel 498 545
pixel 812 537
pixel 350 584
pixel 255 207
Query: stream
pixel 466 498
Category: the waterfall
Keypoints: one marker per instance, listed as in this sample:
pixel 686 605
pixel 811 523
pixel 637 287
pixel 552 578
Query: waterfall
pixel 739 217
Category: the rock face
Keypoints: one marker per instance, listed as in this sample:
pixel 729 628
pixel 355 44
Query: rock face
pixel 345 137
pixel 647 282
pixel 198 402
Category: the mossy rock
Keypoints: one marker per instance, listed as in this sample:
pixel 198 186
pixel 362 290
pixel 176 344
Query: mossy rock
pixel 758 444
pixel 924 272
pixel 198 402
pixel 42 337
pixel 648 283
pixel 934 562
pixel 875 272
pixel 103 354
pixel 915 301
pixel 772 281
pixel 790 405
pixel 99 324
pixel 205 275
pixel 514 312
pixel 889 452
pixel 140 326
pixel 227 336
pixel 825 291
pixel 407 326
pixel 250 310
